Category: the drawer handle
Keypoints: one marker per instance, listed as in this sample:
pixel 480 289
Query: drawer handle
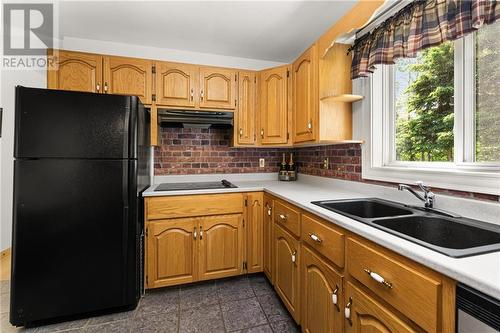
pixel 347 311
pixel 335 298
pixel 195 234
pixel 380 279
pixel 294 256
pixel 315 238
pixel 283 217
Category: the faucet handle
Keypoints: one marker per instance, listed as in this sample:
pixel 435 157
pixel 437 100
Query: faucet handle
pixel 420 184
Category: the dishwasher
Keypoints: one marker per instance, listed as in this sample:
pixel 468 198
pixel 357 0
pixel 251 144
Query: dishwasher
pixel 476 312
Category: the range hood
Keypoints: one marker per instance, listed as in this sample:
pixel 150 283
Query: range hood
pixel 198 119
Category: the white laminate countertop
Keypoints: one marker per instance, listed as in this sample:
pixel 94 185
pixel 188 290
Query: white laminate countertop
pixel 481 272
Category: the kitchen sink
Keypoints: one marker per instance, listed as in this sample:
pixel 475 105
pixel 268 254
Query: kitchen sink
pixel 453 236
pixel 364 208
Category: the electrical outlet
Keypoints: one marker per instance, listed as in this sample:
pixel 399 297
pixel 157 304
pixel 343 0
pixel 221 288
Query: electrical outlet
pixel 262 162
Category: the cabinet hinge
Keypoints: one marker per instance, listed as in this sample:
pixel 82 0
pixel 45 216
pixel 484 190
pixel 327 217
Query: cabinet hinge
pixel 234 103
pixel 153 97
pixel 146 232
pixel 243 223
pixel 246 202
pixel 147 281
pixel 287 73
pixel 245 265
pixel 153 69
pixel 235 77
pixel 288 135
pixel 255 80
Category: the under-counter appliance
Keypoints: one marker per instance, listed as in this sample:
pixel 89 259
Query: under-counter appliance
pixel 476 312
pixel 81 163
pixel 194 186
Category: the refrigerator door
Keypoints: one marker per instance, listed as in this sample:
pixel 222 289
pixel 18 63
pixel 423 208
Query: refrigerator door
pixel 74 242
pixel 69 124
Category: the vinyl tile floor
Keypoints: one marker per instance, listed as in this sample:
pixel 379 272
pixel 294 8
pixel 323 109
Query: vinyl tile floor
pixel 241 304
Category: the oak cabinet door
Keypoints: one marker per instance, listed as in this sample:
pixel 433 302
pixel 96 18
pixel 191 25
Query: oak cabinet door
pixel 273 105
pixel 171 252
pixel 76 71
pixel 129 76
pixel 321 287
pixel 305 97
pixel 176 84
pixel 220 246
pixel 217 88
pixel 369 316
pixel 245 116
pixel 286 274
pixel 268 240
pixel 254 229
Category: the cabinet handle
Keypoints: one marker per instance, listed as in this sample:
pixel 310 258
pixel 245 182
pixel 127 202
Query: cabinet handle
pixel 192 94
pixel 310 125
pixel 294 256
pixel 201 232
pixel 379 278
pixel 201 94
pixel 269 211
pixel 347 311
pixel 98 87
pixel 262 133
pixel 241 132
pixel 335 298
pixel 315 238
pixel 195 233
pixel 282 217
pixel 105 87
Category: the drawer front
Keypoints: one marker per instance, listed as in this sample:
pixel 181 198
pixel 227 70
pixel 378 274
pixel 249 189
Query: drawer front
pixel 193 205
pixel 288 217
pixel 324 239
pixel 412 292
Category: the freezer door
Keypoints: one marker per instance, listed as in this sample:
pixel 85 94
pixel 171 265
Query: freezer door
pixel 73 238
pixel 69 124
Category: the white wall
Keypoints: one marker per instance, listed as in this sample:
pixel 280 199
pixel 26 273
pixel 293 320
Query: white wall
pixel 104 47
pixel 9 79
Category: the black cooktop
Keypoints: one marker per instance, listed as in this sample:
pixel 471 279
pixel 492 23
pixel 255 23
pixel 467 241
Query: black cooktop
pixel 194 186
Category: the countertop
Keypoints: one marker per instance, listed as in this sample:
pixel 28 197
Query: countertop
pixel 481 272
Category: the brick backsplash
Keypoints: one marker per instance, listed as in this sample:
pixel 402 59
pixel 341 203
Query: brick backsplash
pixel 200 151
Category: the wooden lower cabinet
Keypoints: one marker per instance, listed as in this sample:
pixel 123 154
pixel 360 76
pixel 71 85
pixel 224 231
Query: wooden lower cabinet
pixel 286 270
pixel 220 246
pixel 171 252
pixel 367 315
pixel 321 298
pixel 268 240
pixel 254 232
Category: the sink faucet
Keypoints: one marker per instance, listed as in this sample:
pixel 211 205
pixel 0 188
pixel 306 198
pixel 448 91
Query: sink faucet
pixel 427 198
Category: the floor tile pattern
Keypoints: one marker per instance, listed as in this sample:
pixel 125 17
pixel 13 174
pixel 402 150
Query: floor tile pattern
pixel 246 304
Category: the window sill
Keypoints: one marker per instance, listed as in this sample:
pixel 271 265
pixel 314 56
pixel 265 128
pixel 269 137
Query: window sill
pixel 452 179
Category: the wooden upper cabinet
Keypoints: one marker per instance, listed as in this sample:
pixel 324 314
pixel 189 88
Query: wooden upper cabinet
pixel 286 266
pixel 76 71
pixel 129 76
pixel 369 316
pixel 274 106
pixel 218 88
pixel 170 250
pixel 220 246
pixel 254 228
pixel 305 96
pixel 176 85
pixel 321 300
pixel 244 129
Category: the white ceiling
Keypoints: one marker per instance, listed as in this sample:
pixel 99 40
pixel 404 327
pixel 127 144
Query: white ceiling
pixel 267 30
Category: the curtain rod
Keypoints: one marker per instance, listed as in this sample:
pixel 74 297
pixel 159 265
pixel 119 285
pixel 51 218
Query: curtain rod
pixel 393 8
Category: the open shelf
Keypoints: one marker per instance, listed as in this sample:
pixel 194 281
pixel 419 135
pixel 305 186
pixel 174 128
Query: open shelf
pixel 348 98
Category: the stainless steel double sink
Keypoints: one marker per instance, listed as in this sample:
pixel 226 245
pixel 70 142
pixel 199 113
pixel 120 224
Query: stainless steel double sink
pixel 440 231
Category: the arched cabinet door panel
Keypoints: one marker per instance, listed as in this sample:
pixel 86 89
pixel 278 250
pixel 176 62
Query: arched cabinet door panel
pixel 75 71
pixel 220 246
pixel 176 85
pixel 171 249
pixel 244 129
pixel 218 88
pixel 128 76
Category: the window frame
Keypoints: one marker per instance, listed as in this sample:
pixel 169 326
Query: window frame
pixel 378 159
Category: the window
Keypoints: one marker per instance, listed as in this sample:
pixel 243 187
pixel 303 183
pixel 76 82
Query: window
pixel 436 117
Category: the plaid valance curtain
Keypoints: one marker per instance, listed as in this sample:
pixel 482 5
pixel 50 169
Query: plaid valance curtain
pixel 419 25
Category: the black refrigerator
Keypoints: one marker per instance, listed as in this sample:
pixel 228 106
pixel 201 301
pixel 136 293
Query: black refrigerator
pixel 81 162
